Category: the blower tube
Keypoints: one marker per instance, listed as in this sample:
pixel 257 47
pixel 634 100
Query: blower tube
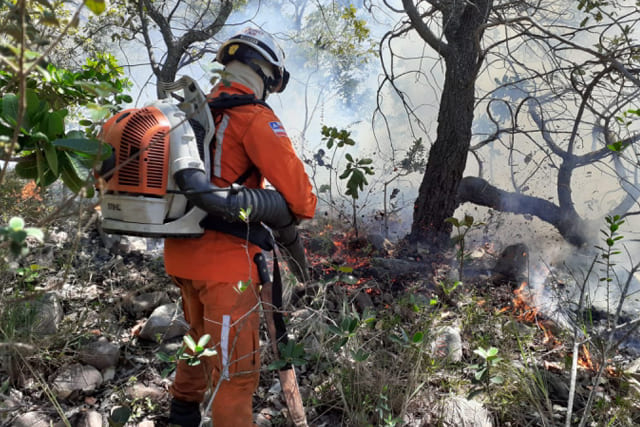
pixel 267 206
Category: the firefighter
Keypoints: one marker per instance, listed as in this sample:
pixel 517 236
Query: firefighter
pixel 216 273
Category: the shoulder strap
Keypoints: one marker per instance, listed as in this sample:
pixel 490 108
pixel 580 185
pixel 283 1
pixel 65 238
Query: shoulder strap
pixel 224 101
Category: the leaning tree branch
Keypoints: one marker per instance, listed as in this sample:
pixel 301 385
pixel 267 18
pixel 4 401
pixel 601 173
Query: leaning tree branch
pixel 193 36
pixel 423 29
pixel 480 192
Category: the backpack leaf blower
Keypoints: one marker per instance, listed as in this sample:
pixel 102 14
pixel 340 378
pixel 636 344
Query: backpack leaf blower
pixel 157 182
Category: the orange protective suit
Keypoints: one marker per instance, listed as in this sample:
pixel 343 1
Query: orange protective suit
pixel 209 269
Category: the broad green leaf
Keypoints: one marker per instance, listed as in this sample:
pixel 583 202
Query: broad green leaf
pixel 96 6
pixel 481 352
pixel 480 374
pixel 208 352
pixel 190 342
pixel 42 167
pixel 497 380
pixel 51 154
pixel 35 107
pixel 202 342
pixel 10 108
pixel 73 173
pixel 119 416
pixel 165 357
pixel 92 147
pixel 346 173
pixel 27 167
pixel 53 124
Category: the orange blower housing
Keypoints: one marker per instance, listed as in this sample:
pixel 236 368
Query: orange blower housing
pixel 150 145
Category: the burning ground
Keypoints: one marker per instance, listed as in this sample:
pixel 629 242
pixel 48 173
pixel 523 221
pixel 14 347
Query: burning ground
pixel 385 336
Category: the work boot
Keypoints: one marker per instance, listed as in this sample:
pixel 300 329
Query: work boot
pixel 184 414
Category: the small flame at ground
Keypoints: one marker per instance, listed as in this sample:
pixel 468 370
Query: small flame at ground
pixel 526 312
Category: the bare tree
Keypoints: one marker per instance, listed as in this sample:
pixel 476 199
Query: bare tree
pixel 550 89
pixel 182 25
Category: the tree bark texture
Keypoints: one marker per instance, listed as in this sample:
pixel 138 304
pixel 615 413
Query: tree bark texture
pixel 462 22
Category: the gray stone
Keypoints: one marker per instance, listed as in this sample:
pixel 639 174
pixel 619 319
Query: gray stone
pixel 133 244
pixel 456 411
pixel 512 265
pixel 76 377
pixel 58 237
pixel 448 344
pixel 32 419
pixel 380 243
pixel 141 391
pixel 363 300
pixel 48 314
pixel 165 322
pixel 108 374
pixel 90 419
pixel 100 354
pixel 143 304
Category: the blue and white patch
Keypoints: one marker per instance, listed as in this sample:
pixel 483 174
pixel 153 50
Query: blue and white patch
pixel 277 128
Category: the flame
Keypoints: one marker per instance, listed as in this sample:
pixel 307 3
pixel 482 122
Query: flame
pixel 524 311
pixel 585 360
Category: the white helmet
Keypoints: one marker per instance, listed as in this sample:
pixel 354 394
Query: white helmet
pixel 253 43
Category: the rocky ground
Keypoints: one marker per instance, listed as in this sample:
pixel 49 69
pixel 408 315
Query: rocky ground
pixel 95 347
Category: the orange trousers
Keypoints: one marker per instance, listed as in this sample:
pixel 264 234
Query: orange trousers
pixel 231 317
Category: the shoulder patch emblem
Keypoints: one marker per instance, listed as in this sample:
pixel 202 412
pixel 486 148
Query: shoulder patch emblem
pixel 277 128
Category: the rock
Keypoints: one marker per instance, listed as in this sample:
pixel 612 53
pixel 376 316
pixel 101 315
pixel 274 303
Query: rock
pixel 165 322
pixel 457 411
pixel 363 300
pixel 143 304
pixel 146 423
pixel 448 344
pixel 100 354
pixel 10 404
pixel 275 387
pixel 132 244
pixel 58 237
pixel 264 417
pixel 32 419
pixel 108 374
pixel 47 314
pixel 89 419
pixel 141 391
pixel 512 265
pixel 380 243
pixel 76 377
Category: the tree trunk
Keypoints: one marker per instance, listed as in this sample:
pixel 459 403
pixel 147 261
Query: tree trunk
pixel 448 156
